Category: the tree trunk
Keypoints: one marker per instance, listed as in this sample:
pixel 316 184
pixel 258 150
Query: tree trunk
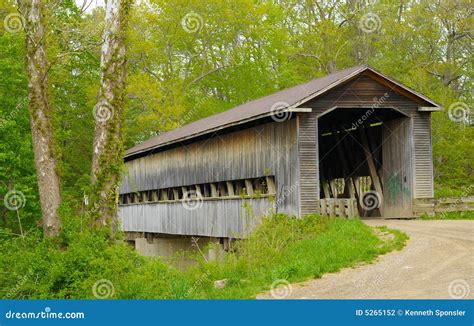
pixel 41 116
pixel 107 154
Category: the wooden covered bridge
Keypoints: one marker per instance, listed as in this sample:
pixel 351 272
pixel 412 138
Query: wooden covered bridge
pixel 352 143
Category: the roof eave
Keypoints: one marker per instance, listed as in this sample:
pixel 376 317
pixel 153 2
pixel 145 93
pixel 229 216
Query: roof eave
pixel 408 89
pixel 267 114
pixel 430 108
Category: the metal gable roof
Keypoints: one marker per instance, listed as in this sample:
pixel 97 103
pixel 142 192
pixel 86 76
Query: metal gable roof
pixel 287 100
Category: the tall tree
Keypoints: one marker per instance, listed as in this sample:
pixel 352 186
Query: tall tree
pixel 107 152
pixel 40 113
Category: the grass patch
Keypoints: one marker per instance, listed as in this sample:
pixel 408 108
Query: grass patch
pixel 468 215
pixel 72 265
pixel 293 250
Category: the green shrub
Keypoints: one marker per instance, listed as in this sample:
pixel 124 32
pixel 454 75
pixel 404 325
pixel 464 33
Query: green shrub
pixel 79 262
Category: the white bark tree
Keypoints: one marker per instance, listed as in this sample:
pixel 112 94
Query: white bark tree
pixel 40 113
pixel 107 154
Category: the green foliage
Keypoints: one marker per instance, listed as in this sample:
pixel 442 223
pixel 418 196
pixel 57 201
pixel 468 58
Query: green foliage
pixel 240 50
pixel 453 155
pixel 281 247
pixel 17 170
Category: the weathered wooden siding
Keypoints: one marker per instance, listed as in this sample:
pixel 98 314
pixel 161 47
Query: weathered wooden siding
pixel 215 218
pixel 268 149
pixel 363 91
pixel 423 155
pixel 397 172
pixel 308 163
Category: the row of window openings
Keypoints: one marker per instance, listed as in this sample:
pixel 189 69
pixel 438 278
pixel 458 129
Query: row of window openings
pixel 234 188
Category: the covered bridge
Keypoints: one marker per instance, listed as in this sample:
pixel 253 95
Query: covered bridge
pixel 352 143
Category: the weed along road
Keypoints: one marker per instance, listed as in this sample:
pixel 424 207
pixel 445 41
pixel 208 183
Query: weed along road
pixel 436 263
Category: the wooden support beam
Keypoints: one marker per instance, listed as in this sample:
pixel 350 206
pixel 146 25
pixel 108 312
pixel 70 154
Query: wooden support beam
pixel 325 185
pixel 370 162
pixel 221 189
pixel 175 193
pixel 164 194
pixel 357 187
pixel 214 192
pixel 332 184
pixel 198 190
pixel 373 147
pixel 230 188
pixel 154 195
pixel 271 185
pixel 249 187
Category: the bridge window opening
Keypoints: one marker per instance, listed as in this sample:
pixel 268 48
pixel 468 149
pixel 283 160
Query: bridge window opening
pixel 225 189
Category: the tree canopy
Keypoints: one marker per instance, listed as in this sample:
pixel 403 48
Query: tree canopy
pixel 191 59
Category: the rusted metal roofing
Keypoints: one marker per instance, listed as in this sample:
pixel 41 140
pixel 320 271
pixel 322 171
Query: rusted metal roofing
pixel 287 100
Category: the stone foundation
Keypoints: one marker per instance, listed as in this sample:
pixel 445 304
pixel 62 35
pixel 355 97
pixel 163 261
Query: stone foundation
pixel 168 246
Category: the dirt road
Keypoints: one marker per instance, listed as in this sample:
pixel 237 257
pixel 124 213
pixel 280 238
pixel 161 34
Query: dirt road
pixel 438 262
